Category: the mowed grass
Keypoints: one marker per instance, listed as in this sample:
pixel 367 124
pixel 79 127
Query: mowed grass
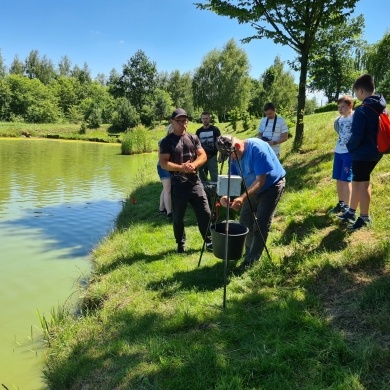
pixel 315 315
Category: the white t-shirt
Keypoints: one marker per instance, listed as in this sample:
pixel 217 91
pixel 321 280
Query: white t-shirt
pixel 280 127
pixel 343 126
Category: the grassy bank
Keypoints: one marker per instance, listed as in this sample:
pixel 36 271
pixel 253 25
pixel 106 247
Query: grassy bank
pixel 68 131
pixel 314 316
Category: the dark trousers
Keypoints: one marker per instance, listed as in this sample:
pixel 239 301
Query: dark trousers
pixel 264 205
pixel 194 194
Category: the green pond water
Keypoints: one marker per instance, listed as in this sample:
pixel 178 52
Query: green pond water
pixel 57 200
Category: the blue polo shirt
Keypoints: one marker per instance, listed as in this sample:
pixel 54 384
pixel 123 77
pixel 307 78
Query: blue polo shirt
pixel 258 159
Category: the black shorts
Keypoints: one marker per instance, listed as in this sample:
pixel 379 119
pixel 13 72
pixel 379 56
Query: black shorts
pixel 362 169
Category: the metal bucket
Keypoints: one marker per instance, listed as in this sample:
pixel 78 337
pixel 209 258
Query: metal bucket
pixel 236 240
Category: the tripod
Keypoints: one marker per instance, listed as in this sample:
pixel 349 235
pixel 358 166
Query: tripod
pixel 229 150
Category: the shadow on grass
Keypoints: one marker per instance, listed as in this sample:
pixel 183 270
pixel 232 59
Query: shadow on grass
pixel 299 230
pixel 355 300
pixel 261 339
pixel 300 175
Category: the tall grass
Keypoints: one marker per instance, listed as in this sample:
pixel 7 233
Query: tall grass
pixel 136 141
pixel 313 316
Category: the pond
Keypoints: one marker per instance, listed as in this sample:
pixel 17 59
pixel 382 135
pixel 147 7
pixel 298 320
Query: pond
pixel 57 200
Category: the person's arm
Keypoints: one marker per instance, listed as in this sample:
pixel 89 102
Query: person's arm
pixel 283 138
pixel 283 132
pixel 359 123
pixel 253 188
pixel 186 167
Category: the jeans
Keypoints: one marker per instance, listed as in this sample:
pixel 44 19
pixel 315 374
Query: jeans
pixel 211 165
pixel 194 194
pixel 264 205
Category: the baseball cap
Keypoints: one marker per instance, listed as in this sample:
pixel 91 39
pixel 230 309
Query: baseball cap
pixel 178 112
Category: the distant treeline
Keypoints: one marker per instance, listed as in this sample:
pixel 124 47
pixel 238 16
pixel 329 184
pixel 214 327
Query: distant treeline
pixel 34 90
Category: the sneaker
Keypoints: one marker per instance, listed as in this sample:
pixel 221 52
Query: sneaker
pixel 181 249
pixel 347 217
pixel 337 209
pixel 169 217
pixel 162 211
pixel 209 246
pixel 360 223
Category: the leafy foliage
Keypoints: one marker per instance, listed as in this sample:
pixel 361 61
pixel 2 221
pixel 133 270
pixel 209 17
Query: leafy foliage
pixel 222 82
pixel 125 115
pixel 139 80
pixel 136 140
pixel 378 58
pixel 290 23
pixel 333 68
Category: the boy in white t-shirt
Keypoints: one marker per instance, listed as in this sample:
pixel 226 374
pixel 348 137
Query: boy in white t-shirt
pixel 342 163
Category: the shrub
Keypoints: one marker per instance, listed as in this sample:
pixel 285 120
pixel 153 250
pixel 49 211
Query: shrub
pixel 234 117
pixel 125 115
pixel 326 108
pixel 83 128
pixel 95 118
pixel 147 116
pixel 136 140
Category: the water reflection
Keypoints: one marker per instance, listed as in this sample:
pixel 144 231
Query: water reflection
pixel 57 200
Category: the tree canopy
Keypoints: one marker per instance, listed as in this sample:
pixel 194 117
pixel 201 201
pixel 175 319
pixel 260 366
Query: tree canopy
pixel 294 23
pixel 222 83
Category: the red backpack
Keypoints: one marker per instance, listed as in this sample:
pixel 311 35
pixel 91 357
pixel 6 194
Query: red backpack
pixel 383 136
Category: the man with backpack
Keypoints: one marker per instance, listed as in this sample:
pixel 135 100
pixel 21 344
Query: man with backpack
pixel 363 149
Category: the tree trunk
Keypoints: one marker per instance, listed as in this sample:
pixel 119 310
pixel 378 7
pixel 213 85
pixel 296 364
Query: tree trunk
pixel 299 130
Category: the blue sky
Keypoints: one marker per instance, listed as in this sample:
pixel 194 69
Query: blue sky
pixel 173 33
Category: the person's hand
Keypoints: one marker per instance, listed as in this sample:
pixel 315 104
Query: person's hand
pixel 188 167
pixel 237 203
pixel 224 201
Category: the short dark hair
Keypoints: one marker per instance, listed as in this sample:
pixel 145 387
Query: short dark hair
pixel 205 113
pixel 269 106
pixel 365 82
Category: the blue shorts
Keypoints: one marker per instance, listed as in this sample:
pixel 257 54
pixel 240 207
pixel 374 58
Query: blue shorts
pixel 162 173
pixel 342 167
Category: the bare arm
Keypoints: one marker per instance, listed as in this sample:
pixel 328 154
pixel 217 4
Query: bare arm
pixel 187 167
pixel 253 188
pixel 283 138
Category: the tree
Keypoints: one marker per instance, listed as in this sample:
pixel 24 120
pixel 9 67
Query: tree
pixel 5 99
pixel 279 87
pixel 114 85
pixel 222 82
pixel 17 66
pixel 292 23
pixel 64 66
pixel 257 99
pixel 125 115
pixel 332 67
pixel 82 75
pixel 378 57
pixel 163 106
pixel 32 100
pixel 3 69
pixel 139 80
pixel 31 64
pixel 46 71
pixel 179 87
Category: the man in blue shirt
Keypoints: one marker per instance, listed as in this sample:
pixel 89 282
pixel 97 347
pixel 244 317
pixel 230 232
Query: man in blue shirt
pixel 263 175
